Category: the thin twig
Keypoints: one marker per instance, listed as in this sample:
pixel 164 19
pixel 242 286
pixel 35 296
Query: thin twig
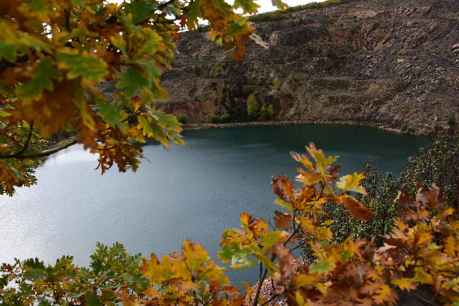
pixel 291 236
pixel 262 280
pixel 260 272
pixel 260 284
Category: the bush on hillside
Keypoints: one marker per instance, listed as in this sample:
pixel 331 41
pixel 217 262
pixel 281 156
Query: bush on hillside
pixel 382 190
pixel 439 165
pixel 283 14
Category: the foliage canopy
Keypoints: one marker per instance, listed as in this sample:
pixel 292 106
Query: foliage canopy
pixel 56 56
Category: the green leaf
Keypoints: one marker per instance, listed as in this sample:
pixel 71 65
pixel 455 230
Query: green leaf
pixel 248 6
pixel 7 52
pixel 110 112
pixel 236 257
pixel 192 15
pixel 37 5
pixel 270 239
pixel 92 300
pixel 82 65
pixel 140 10
pixel 322 266
pixel 78 2
pixel 131 81
pixel 31 41
pixel 41 80
pixel 279 4
pixel 119 42
pixel 150 68
pixel 167 121
pixel 146 127
pixel 151 43
pixel 34 269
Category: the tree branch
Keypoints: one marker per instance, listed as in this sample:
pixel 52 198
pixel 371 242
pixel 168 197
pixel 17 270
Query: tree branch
pixel 265 273
pixel 50 151
pixel 61 146
pixel 24 147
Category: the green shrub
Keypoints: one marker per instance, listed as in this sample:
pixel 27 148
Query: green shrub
pixel 252 107
pixel 221 119
pixel 452 121
pixel 278 15
pixel 183 119
pixel 266 112
pixel 382 191
pixel 65 283
pixel 438 165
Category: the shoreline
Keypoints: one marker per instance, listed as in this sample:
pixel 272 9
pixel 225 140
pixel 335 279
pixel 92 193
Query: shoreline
pixel 201 126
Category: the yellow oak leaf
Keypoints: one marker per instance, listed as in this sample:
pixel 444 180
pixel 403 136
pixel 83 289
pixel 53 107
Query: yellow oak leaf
pixel 352 182
pixel 322 161
pixel 407 284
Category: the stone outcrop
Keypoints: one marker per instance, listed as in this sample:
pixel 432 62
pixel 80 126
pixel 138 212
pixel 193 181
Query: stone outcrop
pixel 378 62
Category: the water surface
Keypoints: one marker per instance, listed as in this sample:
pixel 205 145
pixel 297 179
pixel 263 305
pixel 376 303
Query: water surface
pixel 189 192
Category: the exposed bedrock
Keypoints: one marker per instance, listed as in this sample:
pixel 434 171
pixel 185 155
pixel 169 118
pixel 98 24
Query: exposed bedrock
pixel 377 62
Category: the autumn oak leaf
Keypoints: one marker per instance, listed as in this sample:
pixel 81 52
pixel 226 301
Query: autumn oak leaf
pixel 407 284
pixel 82 65
pixel 352 183
pixel 282 187
pixel 41 80
pixel 356 208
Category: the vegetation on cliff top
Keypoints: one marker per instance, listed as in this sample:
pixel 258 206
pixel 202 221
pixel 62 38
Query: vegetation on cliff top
pixel 283 14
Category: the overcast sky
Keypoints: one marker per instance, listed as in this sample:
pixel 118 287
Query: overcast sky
pixel 265 5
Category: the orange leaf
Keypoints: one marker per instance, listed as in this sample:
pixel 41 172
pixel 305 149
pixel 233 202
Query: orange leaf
pixel 282 187
pixel 288 263
pixel 282 220
pixel 429 196
pixel 356 208
pixel 404 199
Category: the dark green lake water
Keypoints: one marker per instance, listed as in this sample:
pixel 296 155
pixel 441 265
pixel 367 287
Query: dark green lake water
pixel 189 192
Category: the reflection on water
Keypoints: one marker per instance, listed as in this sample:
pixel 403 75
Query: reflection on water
pixel 189 192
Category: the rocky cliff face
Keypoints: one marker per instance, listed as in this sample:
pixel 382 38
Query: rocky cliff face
pixel 377 62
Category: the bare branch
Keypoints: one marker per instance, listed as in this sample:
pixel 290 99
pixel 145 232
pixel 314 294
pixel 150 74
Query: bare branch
pixel 50 151
pixel 59 147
